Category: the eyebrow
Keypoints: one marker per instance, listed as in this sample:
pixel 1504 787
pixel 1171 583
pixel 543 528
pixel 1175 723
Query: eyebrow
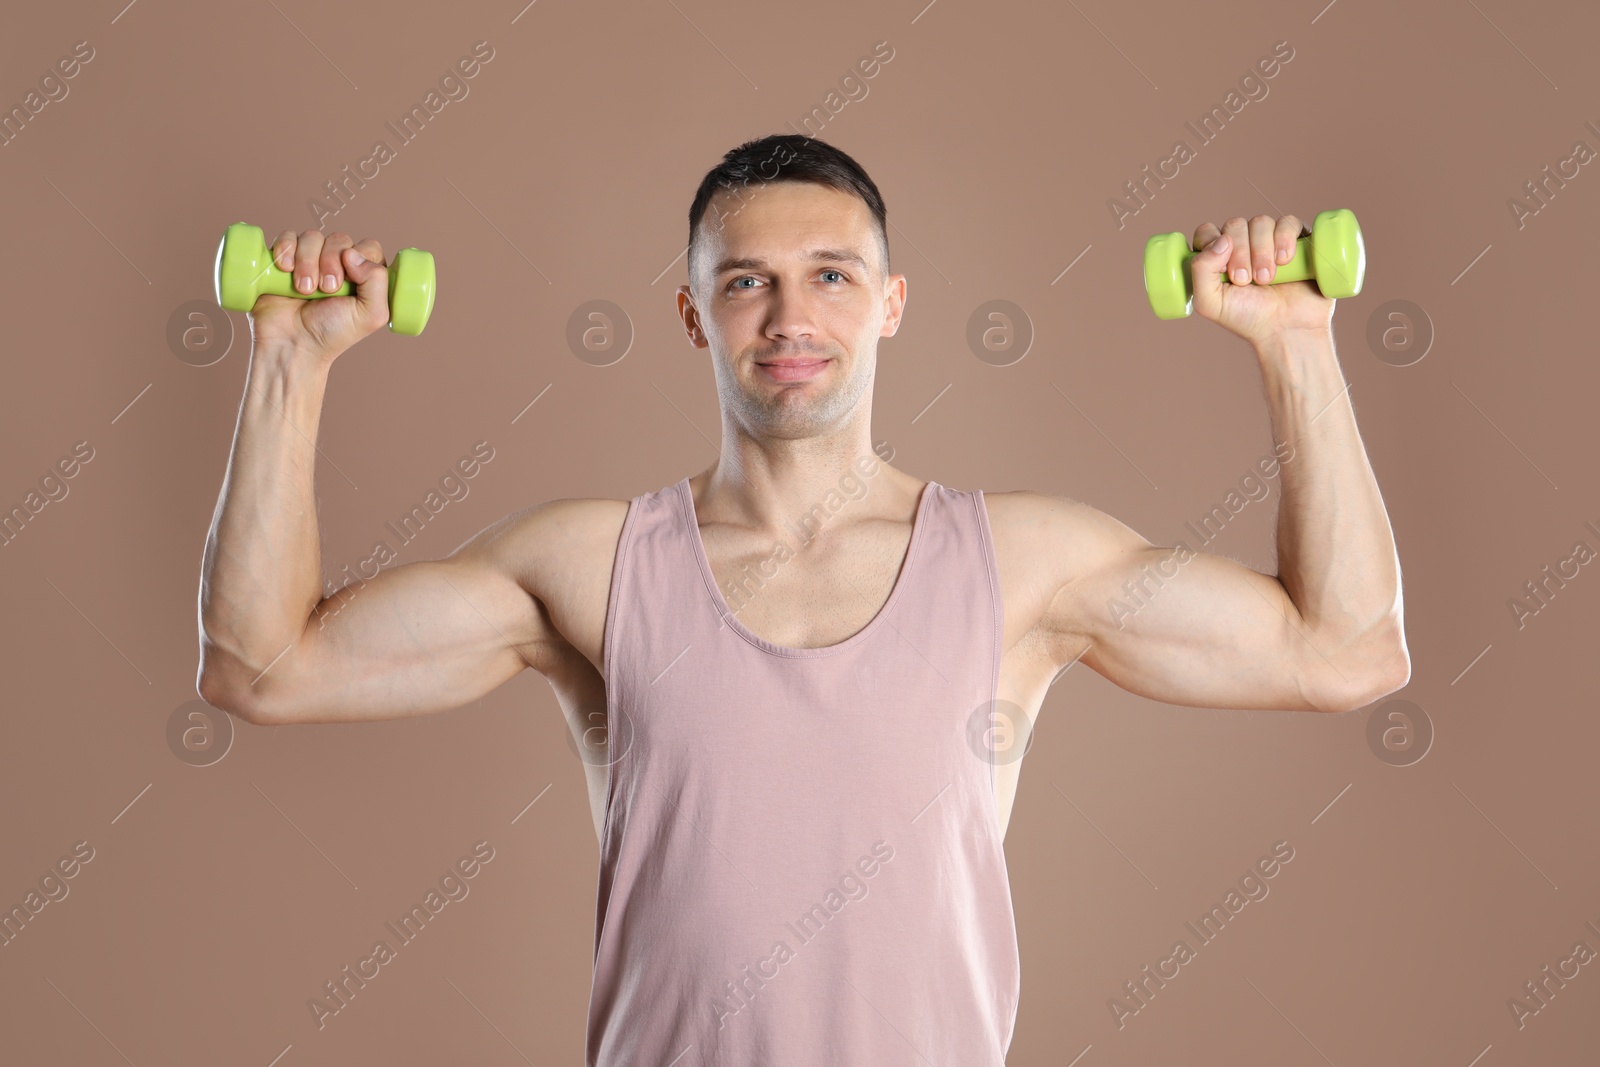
pixel 829 255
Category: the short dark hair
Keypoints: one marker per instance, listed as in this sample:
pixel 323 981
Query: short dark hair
pixel 788 157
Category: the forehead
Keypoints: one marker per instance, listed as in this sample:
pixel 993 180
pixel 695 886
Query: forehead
pixel 784 221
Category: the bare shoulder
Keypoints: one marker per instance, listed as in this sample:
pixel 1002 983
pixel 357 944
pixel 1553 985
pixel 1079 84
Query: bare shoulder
pixel 548 537
pixel 560 552
pixel 1071 531
pixel 1043 543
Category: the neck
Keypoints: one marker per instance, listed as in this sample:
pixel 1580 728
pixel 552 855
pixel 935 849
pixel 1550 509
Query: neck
pixel 796 488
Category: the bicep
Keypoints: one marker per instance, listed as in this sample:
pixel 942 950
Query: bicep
pixel 1177 625
pixel 437 634
pixel 1195 629
pixel 416 638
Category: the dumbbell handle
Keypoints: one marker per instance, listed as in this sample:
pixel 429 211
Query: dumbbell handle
pixel 278 282
pixel 1298 269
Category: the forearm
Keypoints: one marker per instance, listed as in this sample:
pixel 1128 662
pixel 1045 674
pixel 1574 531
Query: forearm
pixel 1336 551
pixel 262 561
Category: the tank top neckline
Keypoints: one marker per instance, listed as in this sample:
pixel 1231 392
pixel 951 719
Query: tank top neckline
pixel 691 526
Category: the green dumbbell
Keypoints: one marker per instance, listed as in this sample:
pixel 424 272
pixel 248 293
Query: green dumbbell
pixel 245 271
pixel 1333 256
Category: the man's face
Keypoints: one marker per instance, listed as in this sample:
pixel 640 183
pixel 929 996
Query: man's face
pixel 790 273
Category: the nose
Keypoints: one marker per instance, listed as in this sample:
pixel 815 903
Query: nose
pixel 791 316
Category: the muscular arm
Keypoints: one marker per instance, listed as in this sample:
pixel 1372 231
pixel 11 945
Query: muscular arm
pixel 1199 629
pixel 1326 632
pixel 1194 628
pixel 419 637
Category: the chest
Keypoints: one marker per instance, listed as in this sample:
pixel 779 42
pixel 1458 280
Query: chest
pixel 807 594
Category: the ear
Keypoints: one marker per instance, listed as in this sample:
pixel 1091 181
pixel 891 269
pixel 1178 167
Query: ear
pixel 691 318
pixel 894 304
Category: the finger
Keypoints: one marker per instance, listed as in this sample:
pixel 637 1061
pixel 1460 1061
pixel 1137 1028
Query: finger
pixel 329 267
pixel 283 250
pixel 369 250
pixel 371 278
pixel 1261 248
pixel 1238 234
pixel 1284 236
pixel 1206 273
pixel 1203 236
pixel 306 251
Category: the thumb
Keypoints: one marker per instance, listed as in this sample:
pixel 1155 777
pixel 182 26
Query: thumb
pixel 372 284
pixel 1209 269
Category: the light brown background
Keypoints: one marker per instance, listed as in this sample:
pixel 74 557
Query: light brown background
pixel 222 898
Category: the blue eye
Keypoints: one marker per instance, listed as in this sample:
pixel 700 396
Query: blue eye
pixel 833 272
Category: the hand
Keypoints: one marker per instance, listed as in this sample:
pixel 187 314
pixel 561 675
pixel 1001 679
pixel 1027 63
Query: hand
pixel 1251 253
pixel 328 326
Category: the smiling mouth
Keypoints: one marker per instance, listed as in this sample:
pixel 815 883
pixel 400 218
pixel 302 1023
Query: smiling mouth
pixel 793 369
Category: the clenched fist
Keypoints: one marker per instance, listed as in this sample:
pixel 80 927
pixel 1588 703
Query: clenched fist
pixel 1244 252
pixel 322 262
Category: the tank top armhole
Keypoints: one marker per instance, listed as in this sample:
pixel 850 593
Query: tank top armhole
pixel 608 674
pixel 992 568
pixel 619 566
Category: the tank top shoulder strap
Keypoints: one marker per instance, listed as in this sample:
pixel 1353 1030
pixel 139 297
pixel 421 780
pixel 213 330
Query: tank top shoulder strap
pixel 956 573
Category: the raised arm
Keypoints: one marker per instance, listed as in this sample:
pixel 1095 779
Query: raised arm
pixel 1326 632
pixel 420 637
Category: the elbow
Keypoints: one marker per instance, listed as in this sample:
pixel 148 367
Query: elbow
pixel 1382 665
pixel 221 688
pixel 1378 684
pixel 226 697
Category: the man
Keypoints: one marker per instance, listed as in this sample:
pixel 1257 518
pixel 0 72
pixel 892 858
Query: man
pixel 800 823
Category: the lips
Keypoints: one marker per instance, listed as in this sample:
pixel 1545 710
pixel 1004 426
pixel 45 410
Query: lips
pixel 793 368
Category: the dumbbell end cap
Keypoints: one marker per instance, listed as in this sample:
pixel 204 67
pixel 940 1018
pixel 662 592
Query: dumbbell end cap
pixel 1166 275
pixel 1338 252
pixel 412 286
pixel 238 266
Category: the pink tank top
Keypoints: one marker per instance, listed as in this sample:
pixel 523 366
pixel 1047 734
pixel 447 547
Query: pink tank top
pixel 800 862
